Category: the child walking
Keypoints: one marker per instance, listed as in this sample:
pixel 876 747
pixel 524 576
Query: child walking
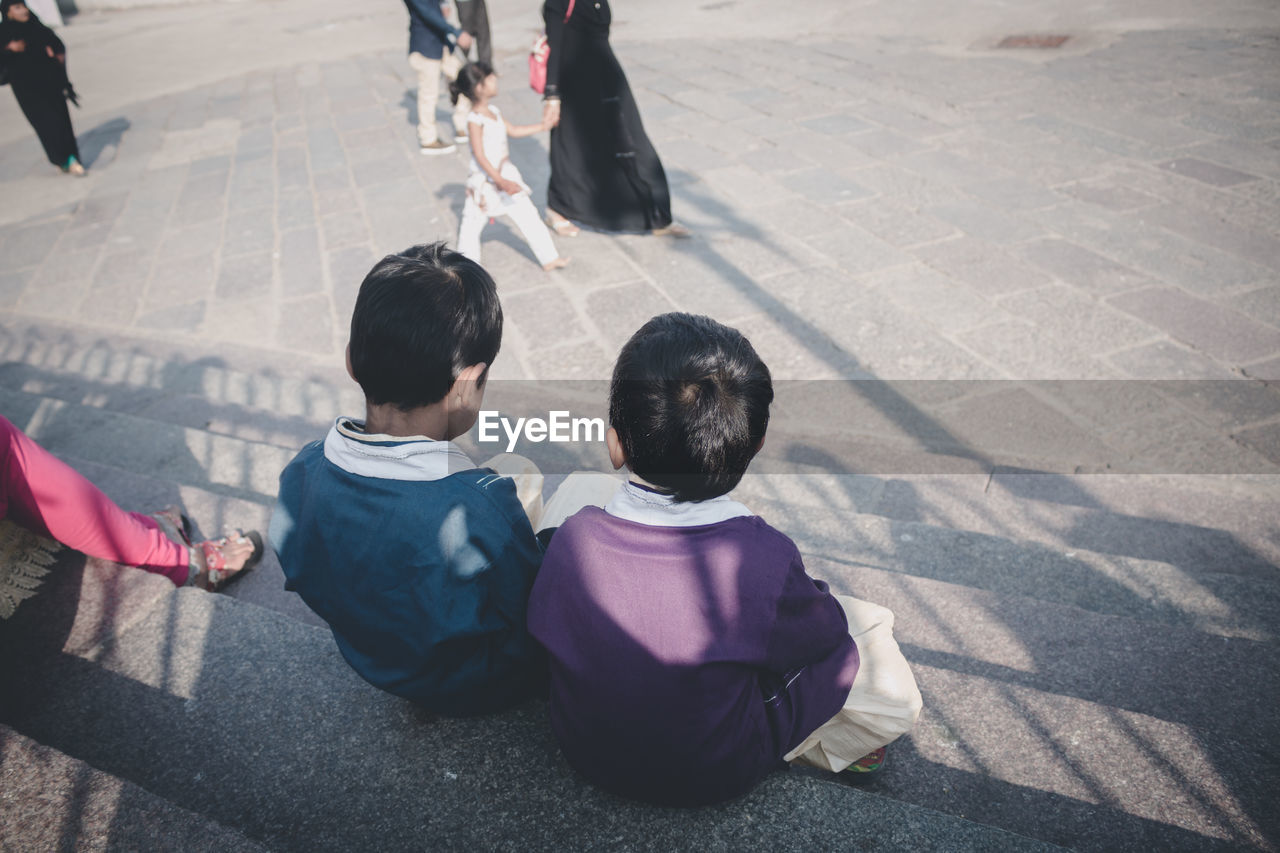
pixel 494 186
pixel 691 654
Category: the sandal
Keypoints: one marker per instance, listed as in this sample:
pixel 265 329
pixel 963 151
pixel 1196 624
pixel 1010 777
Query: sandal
pixel 560 225
pixel 673 229
pixel 209 569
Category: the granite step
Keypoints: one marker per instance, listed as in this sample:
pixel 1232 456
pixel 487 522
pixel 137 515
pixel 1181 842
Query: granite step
pixel 54 802
pixel 297 753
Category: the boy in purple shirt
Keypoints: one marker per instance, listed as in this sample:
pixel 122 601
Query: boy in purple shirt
pixel 690 653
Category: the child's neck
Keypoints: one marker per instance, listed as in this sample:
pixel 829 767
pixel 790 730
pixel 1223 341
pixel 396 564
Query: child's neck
pixel 385 419
pixel 481 106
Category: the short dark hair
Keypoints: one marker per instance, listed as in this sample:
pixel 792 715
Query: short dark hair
pixel 690 402
pixel 471 75
pixel 422 315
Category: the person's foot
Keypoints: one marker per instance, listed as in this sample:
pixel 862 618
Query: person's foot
pixel 865 768
pixel 437 147
pixel 560 225
pixel 73 167
pixel 557 264
pixel 216 562
pixel 675 229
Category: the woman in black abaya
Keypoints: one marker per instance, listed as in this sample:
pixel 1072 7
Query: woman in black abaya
pixel 604 171
pixel 34 63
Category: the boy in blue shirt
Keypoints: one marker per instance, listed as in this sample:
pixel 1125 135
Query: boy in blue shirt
pixel 420 561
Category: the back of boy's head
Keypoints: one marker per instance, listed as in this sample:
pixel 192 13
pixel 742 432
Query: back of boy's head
pixel 690 403
pixel 422 315
pixel 471 76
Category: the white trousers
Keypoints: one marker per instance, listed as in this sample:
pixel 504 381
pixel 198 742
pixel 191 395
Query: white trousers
pixel 579 489
pixel 429 71
pixel 883 703
pixel 522 212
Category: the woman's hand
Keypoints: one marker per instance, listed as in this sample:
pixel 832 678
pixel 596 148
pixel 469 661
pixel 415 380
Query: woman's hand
pixel 550 113
pixel 16 46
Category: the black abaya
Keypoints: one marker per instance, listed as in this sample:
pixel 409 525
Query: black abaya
pixel 39 83
pixel 604 171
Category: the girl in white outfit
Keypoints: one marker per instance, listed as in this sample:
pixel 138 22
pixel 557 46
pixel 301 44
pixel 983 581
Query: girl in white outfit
pixel 494 187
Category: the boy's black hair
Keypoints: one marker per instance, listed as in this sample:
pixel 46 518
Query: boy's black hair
pixel 690 402
pixel 471 75
pixel 422 315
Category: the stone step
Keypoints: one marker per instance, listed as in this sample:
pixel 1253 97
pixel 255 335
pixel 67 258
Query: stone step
pixel 1222 603
pixel 54 802
pixel 256 722
pixel 1219 598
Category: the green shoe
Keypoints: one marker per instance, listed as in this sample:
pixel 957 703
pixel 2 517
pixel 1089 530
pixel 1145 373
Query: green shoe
pixel 865 768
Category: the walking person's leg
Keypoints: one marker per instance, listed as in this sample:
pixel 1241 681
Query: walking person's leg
pixel 469 230
pixel 428 71
pixel 473 17
pixel 525 217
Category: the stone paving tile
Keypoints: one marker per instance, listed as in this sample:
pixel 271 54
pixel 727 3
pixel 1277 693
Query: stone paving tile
pixel 948 305
pixel 1109 196
pixel 980 220
pixel 347 269
pixel 583 360
pixel 821 186
pixel 856 251
pixel 895 223
pixel 179 281
pixel 1093 326
pixel 837 124
pixel 299 263
pixel 1248 157
pixel 984 267
pixel 1262 304
pixel 1265 440
pixel 545 317
pixel 1218 331
pixel 250 230
pixel 306 324
pixel 909 188
pixel 174 319
pixel 1024 351
pixel 245 276
pixel 618 312
pixel 1206 172
pixel 829 152
pixel 30 245
pixel 1080 267
pixel 343 229
pixel 1203 227
pixel 793 351
pixel 745 187
pixel 1168 360
pixel 1173 258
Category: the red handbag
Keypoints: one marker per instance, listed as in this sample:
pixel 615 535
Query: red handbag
pixel 538 56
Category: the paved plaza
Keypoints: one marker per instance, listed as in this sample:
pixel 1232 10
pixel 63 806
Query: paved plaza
pixel 964 253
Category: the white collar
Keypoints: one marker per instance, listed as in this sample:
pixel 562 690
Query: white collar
pixel 391 457
pixel 633 503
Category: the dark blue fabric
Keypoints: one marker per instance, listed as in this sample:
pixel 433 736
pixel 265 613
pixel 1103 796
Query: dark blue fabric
pixel 424 584
pixel 429 32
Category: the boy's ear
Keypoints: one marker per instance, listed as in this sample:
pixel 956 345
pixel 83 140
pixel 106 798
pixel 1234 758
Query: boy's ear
pixel 617 458
pixel 470 381
pixel 351 371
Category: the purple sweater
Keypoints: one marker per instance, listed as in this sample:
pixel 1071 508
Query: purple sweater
pixel 685 661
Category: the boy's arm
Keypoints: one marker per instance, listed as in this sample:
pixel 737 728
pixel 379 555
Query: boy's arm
pixel 810 624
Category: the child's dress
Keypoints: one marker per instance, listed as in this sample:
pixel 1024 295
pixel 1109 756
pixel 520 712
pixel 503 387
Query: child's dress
pixel 485 200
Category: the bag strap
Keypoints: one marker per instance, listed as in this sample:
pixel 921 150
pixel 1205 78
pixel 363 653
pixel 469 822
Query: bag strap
pixel 568 13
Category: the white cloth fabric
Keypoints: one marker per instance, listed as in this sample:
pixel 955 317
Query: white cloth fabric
pixel 883 704
pixel 486 201
pixel 386 457
pixel 579 489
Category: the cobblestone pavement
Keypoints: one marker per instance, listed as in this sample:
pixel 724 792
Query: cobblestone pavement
pixel 876 200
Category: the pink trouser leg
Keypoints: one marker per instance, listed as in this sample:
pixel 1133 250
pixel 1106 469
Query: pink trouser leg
pixel 45 495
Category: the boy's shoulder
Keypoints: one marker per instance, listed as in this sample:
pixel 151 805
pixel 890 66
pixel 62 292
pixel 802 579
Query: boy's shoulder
pixel 751 530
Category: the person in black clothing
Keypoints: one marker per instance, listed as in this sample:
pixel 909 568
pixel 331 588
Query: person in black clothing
pixel 34 63
pixel 473 15
pixel 604 171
